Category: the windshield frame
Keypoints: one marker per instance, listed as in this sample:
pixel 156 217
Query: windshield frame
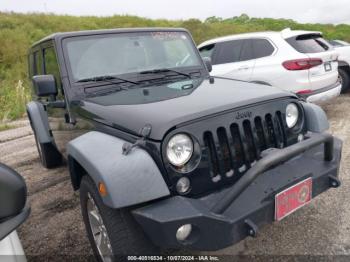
pixel 133 76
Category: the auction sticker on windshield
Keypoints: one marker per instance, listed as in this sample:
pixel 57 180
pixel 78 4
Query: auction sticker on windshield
pixel 163 35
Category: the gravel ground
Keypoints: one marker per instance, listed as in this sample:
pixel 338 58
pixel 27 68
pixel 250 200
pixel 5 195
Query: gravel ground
pixel 55 227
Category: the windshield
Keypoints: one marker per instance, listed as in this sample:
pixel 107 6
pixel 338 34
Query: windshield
pixel 123 53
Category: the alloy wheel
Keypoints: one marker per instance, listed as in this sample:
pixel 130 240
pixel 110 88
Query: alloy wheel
pixel 99 231
pixel 340 80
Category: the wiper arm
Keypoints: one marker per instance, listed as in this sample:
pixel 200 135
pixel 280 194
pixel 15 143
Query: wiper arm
pixel 163 70
pixel 106 92
pixel 106 78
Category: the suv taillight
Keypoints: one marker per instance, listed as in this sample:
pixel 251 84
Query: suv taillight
pixel 304 92
pixel 302 64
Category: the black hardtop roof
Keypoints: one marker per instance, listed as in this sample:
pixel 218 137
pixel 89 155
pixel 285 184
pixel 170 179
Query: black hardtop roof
pixel 60 35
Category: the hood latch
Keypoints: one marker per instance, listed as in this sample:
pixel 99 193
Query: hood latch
pixel 141 142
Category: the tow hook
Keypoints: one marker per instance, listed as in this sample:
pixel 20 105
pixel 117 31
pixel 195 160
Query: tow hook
pixel 252 228
pixel 334 181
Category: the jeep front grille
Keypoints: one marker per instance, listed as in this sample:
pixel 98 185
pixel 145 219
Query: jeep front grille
pixel 234 149
pixel 230 142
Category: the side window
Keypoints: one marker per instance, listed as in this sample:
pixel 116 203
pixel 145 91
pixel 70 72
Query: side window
pixel 207 51
pixel 228 52
pixel 31 65
pixel 247 50
pixel 38 62
pixel 262 48
pixel 51 64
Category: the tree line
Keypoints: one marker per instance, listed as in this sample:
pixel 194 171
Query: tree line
pixel 19 31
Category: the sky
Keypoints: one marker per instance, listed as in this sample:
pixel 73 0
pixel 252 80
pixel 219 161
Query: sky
pixel 305 11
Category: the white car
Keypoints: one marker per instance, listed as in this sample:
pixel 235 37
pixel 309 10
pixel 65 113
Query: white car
pixel 11 249
pixel 343 49
pixel 298 61
pixel 13 212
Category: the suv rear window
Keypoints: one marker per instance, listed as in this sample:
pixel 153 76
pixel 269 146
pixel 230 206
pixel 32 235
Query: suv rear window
pixel 308 43
pixel 262 48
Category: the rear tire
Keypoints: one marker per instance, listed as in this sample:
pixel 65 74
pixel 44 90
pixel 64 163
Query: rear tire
pixel 121 232
pixel 49 156
pixel 344 77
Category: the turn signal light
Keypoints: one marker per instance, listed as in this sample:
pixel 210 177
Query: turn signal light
pixel 302 64
pixel 102 189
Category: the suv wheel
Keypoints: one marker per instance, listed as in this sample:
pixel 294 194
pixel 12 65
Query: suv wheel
pixel 344 78
pixel 111 232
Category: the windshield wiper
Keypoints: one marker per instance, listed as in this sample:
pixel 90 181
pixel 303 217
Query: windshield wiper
pixel 107 78
pixel 164 70
pixel 106 91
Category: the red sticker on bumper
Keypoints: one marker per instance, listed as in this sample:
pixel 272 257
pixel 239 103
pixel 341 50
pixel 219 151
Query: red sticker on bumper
pixel 293 198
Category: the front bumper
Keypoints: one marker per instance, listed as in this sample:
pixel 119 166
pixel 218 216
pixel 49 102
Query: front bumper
pixel 223 218
pixel 325 94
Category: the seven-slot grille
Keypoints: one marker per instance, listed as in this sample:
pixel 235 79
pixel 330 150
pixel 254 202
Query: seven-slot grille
pixel 234 149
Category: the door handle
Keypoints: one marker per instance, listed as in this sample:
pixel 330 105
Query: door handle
pixel 243 67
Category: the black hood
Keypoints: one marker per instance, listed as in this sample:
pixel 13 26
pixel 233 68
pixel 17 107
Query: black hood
pixel 163 115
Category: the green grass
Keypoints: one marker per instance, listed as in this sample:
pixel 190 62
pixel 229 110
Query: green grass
pixel 4 127
pixel 19 31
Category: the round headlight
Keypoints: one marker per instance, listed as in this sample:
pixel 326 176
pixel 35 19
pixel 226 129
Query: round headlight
pixel 179 149
pixel 292 115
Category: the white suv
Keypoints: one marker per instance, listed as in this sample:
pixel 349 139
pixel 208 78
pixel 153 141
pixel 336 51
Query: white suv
pixel 298 61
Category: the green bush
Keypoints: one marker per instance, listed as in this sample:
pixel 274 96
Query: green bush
pixel 19 31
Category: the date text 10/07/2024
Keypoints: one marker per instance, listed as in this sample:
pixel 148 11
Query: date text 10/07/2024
pixel 173 258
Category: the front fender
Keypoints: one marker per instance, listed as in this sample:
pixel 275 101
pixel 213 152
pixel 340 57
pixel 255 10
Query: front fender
pixel 130 179
pixel 316 118
pixel 39 122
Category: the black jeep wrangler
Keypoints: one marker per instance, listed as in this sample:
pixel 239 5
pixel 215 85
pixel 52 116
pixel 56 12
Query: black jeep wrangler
pixel 164 155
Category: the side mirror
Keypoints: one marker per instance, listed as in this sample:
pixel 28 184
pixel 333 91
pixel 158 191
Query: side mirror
pixel 13 196
pixel 45 85
pixel 207 62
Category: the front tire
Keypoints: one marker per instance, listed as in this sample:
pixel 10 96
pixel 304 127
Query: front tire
pixel 112 232
pixel 344 78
